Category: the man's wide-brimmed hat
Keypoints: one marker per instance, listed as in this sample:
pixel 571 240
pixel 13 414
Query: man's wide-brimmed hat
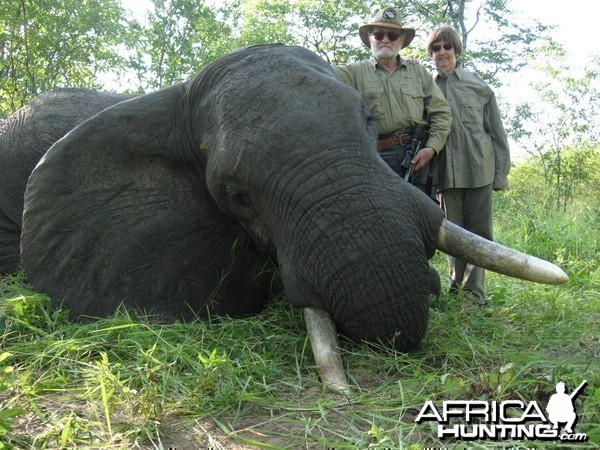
pixel 388 18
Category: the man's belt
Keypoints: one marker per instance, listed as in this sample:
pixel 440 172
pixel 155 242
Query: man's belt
pixel 399 137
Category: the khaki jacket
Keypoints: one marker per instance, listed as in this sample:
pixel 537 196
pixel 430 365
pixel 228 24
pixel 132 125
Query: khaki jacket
pixel 477 151
pixel 401 99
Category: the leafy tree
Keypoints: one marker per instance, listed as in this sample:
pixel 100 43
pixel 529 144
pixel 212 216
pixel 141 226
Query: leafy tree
pixel 561 129
pixel 534 181
pixel 175 41
pixel 260 21
pixel 330 28
pixel 327 27
pixel 46 44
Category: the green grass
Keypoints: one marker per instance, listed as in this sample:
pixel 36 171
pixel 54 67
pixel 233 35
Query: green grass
pixel 128 382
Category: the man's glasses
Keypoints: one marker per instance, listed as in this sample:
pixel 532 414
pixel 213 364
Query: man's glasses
pixel 392 35
pixel 438 47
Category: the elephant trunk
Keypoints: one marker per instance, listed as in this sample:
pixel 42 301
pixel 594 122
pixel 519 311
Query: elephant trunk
pixel 359 258
pixel 463 244
pixel 452 240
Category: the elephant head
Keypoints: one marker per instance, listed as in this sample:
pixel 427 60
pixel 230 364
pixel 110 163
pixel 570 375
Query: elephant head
pixel 178 202
pixel 24 138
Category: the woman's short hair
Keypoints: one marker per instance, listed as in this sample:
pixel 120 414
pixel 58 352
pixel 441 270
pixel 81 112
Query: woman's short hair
pixel 444 33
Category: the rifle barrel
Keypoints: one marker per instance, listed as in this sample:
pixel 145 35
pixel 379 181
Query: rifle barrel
pixel 576 391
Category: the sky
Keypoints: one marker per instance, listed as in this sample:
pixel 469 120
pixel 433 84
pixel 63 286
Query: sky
pixel 575 19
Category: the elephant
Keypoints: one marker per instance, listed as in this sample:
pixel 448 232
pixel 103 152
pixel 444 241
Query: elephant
pixel 185 201
pixel 24 138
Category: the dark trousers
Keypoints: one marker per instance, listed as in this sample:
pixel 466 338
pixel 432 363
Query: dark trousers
pixel 423 180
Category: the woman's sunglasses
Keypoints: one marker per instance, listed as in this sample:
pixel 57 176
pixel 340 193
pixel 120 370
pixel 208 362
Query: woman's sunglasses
pixel 438 47
pixel 392 35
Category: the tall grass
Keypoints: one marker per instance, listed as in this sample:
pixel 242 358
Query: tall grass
pixel 129 382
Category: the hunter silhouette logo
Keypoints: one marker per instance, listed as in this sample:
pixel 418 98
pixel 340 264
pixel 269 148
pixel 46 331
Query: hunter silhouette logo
pixel 560 407
pixel 509 419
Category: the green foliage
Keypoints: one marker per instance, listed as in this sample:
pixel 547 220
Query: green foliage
pixel 561 130
pixel 174 41
pixel 7 414
pixel 330 28
pixel 567 234
pixel 569 97
pixel 560 176
pixel 47 44
pixel 261 21
pixel 28 313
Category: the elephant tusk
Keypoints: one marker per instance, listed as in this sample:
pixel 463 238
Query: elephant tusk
pixel 325 346
pixel 463 244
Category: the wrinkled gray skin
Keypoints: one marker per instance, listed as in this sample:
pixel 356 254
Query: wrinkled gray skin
pixel 150 204
pixel 24 138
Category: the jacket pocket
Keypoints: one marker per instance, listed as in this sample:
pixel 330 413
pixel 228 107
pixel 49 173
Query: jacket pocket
pixel 472 110
pixel 412 88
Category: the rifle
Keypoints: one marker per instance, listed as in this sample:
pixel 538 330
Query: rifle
pixel 413 148
pixel 576 391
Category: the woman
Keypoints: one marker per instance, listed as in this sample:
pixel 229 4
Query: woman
pixel 476 159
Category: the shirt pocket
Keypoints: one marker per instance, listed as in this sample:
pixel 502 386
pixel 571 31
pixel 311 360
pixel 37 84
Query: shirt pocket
pixel 373 97
pixel 472 110
pixel 412 89
pixel 413 100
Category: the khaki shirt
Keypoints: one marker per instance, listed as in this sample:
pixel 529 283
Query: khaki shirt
pixel 401 99
pixel 477 151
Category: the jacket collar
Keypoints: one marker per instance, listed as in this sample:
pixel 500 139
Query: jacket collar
pixel 458 71
pixel 399 62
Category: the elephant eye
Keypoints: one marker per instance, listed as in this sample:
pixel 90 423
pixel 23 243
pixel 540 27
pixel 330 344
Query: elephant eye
pixel 240 198
pixel 236 197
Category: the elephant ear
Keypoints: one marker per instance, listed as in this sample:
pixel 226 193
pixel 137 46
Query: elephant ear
pixel 117 212
pixel 24 138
